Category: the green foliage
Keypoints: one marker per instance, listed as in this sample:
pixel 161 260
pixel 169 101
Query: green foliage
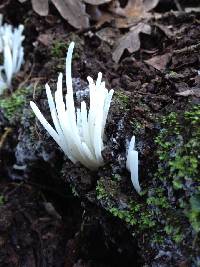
pixel 100 190
pixel 194 212
pixel 178 151
pixel 122 98
pixel 134 214
pixel 13 105
pixel 159 199
pixel 59 49
pixel 136 125
pixel 174 232
pixel 170 204
pixel 116 177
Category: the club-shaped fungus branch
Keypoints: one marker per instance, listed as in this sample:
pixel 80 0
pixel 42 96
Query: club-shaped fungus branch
pixel 132 164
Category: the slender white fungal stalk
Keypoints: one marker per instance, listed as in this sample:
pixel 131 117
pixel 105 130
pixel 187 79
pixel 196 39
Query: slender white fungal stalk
pixel 132 164
pixel 78 132
pixel 13 53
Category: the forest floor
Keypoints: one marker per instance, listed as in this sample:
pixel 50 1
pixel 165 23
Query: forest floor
pixel 55 213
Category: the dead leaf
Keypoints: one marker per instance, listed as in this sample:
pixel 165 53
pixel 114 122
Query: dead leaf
pixel 134 8
pixel 73 11
pixel 41 7
pixel 132 12
pixel 159 62
pixel 130 41
pixel 190 92
pixel 108 35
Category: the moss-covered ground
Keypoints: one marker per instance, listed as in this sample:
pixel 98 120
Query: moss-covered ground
pixel 169 207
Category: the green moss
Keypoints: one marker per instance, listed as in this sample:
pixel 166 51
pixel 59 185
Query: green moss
pixel 122 98
pixel 174 232
pixel 169 206
pixel 14 104
pixel 157 239
pixel 59 49
pixel 116 177
pixel 136 125
pixel 158 200
pixel 194 212
pixel 178 151
pixel 100 190
pixel 133 213
pixel 106 191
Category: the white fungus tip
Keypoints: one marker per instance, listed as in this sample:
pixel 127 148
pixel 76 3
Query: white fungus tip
pixel 132 164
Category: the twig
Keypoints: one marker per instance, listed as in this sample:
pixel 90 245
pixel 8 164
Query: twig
pixel 35 86
pixel 187 49
pixel 4 136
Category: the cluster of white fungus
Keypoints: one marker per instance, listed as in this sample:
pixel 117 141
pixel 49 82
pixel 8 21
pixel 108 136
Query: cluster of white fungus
pixel 78 132
pixel 13 53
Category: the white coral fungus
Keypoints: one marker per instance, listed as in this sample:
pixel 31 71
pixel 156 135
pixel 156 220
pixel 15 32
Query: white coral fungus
pixel 78 132
pixel 13 53
pixel 132 164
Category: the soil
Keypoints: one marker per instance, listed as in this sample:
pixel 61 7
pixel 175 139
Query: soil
pixel 50 212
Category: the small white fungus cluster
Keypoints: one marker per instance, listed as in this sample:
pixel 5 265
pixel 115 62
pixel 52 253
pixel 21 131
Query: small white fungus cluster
pixel 132 164
pixel 78 132
pixel 13 53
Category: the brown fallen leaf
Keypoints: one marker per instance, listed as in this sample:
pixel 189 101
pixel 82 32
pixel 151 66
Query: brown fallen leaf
pixel 130 41
pixel 108 35
pixel 74 11
pixel 134 8
pixel 190 92
pixel 41 7
pixel 71 10
pixel 159 62
pixel 133 12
